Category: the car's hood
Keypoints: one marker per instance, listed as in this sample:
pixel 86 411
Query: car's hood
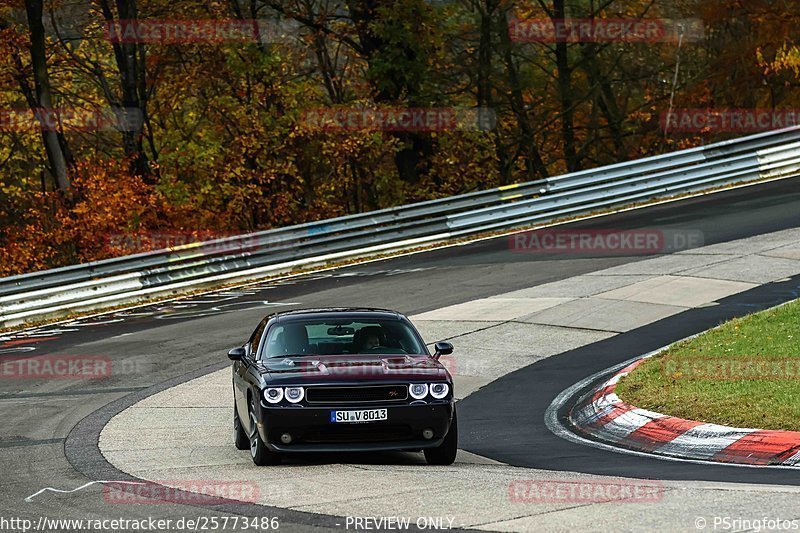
pixel 327 368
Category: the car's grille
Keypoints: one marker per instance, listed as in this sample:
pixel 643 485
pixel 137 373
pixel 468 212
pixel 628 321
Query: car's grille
pixel 339 433
pixel 353 395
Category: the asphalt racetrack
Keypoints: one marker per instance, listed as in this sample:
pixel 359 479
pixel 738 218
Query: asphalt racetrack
pixel 50 430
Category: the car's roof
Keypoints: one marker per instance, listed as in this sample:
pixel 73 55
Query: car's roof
pixel 336 313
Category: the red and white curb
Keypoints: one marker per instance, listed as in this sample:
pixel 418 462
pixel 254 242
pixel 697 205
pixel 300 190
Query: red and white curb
pixel 602 415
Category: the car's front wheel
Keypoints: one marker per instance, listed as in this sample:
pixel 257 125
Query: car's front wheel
pixel 258 450
pixel 445 453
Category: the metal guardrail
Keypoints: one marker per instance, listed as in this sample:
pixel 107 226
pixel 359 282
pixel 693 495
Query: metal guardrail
pixel 132 278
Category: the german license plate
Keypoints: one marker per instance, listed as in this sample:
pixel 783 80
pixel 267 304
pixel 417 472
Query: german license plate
pixel 355 417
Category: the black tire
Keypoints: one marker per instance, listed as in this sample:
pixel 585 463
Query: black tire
pixel 240 439
pixel 445 453
pixel 258 450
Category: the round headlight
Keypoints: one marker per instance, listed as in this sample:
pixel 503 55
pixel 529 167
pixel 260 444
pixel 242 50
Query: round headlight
pixel 273 395
pixel 439 390
pixel 294 394
pixel 418 390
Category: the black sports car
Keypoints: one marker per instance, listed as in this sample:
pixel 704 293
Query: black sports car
pixel 323 380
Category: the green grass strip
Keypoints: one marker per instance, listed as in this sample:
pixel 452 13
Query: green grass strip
pixel 746 373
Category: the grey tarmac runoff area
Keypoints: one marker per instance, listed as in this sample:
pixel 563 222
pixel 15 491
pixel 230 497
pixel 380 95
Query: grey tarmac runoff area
pixel 525 327
pixel 495 336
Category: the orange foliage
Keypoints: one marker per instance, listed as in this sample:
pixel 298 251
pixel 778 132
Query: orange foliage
pixel 105 201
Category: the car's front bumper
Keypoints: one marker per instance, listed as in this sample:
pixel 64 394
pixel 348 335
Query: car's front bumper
pixel 312 430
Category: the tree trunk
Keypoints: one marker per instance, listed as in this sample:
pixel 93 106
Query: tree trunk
pixel 565 92
pixel 534 165
pixel 44 98
pixel 412 157
pixel 605 99
pixel 130 59
pixel 488 14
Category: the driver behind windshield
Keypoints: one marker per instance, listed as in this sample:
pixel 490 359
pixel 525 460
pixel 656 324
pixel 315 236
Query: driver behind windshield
pixel 370 338
pixel 317 337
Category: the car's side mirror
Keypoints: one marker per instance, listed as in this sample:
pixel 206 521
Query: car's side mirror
pixel 442 348
pixel 236 354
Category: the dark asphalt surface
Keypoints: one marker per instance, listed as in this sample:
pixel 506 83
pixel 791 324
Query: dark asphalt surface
pixel 154 344
pixel 509 426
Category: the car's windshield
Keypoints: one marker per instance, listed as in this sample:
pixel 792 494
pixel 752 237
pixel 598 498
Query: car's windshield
pixel 340 337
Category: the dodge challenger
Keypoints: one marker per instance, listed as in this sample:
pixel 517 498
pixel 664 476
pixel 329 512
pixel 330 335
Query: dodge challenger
pixel 341 380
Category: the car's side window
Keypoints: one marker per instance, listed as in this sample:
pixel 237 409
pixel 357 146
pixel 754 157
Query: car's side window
pixel 255 339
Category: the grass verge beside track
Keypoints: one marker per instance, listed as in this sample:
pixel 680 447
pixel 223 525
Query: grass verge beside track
pixel 745 373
